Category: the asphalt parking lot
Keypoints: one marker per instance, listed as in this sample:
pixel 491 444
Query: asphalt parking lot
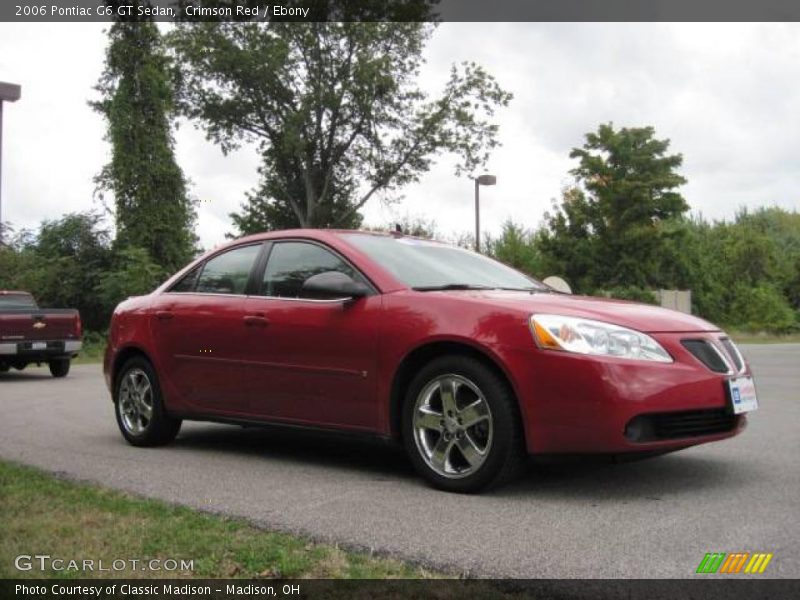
pixel 652 518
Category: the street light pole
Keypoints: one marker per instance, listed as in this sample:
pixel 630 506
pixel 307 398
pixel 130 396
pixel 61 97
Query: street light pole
pixel 477 214
pixel 9 92
pixel 479 181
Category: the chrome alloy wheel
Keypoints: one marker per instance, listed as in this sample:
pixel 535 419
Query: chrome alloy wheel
pixel 136 401
pixel 452 426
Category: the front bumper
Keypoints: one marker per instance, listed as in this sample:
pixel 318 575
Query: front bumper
pixel 585 404
pixel 30 351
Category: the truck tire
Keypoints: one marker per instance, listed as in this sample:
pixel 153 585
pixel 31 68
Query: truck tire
pixel 60 367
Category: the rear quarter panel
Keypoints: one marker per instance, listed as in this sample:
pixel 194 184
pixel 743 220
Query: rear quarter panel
pixel 129 330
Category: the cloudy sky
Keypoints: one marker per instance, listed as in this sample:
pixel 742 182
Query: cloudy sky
pixel 727 95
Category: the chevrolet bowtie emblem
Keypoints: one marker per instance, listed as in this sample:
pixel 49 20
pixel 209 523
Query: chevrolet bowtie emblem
pixel 39 325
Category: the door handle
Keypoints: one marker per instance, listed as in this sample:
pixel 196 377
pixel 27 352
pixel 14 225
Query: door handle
pixel 164 315
pixel 256 321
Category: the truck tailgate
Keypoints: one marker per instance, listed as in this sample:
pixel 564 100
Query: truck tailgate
pixel 46 324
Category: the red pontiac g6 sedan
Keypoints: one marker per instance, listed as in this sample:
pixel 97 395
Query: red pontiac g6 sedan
pixel 467 361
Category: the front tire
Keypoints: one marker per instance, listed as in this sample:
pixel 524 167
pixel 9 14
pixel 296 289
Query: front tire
pixel 461 425
pixel 60 367
pixel 139 406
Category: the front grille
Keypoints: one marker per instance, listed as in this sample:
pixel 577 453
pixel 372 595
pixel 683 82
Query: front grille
pixel 732 353
pixel 676 425
pixel 707 354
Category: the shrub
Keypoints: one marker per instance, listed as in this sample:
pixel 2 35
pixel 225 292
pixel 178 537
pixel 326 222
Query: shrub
pixel 762 308
pixel 632 292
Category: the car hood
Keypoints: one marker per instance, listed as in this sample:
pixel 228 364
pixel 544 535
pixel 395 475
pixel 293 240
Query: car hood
pixel 642 317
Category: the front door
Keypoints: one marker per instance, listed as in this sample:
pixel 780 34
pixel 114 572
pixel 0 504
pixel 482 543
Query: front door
pixel 313 359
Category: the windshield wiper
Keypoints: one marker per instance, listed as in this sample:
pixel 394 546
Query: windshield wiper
pixel 523 289
pixel 451 286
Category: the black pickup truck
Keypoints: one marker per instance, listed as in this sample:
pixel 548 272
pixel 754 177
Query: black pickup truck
pixel 29 334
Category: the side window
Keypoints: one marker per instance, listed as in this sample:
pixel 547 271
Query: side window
pixel 228 273
pixel 186 283
pixel 291 263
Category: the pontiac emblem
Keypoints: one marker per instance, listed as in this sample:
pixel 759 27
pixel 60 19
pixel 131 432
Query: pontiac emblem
pixel 39 325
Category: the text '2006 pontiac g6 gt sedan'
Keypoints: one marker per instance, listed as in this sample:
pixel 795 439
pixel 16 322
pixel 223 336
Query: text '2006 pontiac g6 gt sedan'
pixel 469 363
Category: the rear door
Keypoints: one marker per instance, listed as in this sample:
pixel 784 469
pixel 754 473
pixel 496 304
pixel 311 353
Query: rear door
pixel 312 360
pixel 200 332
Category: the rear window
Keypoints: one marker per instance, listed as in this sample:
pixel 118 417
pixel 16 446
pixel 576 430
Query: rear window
pixel 187 282
pixel 17 301
pixel 227 273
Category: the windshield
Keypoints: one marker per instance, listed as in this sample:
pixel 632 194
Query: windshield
pixel 421 264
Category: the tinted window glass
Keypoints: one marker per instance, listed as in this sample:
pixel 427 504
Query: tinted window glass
pixel 186 284
pixel 228 273
pixel 291 263
pixel 421 264
pixel 17 301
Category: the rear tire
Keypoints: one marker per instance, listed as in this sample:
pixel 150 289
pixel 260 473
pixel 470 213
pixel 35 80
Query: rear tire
pixel 59 367
pixel 139 406
pixel 461 426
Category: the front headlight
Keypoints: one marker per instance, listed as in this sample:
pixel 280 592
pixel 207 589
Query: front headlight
pixel 584 336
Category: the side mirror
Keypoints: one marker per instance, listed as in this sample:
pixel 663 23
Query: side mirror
pixel 334 284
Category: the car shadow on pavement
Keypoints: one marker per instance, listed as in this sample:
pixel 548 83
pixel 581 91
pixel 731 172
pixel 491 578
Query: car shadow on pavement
pixel 14 376
pixel 602 479
pixel 381 460
pixel 597 479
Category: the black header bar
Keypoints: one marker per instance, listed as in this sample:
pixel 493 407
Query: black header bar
pixel 74 11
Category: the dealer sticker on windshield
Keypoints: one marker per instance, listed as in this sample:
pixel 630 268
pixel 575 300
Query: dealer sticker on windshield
pixel 743 394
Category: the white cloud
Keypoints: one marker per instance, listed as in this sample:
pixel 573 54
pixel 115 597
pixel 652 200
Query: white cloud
pixel 725 94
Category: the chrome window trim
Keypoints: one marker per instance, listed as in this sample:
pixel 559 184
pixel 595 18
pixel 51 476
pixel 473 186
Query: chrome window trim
pixel 218 295
pixel 738 355
pixel 723 355
pixel 324 301
pixel 314 300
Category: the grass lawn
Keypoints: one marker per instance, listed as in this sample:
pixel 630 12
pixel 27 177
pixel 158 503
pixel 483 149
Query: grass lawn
pixel 42 514
pixel 741 337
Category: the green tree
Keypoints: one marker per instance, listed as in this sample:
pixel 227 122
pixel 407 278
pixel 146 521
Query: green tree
pixel 63 263
pixel 606 229
pixel 261 211
pixel 132 272
pixel 517 248
pixel 334 108
pixel 152 209
pixel 16 256
pixel 568 243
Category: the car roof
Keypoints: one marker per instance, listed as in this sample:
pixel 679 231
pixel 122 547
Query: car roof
pixel 382 278
pixel 314 234
pixel 318 233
